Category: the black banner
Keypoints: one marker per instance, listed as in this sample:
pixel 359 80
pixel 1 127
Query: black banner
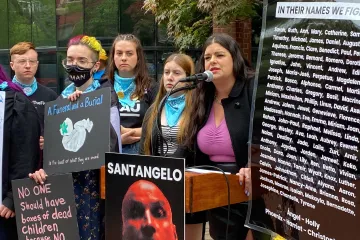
pixel 46 211
pixel 77 133
pixel 306 121
pixel 145 197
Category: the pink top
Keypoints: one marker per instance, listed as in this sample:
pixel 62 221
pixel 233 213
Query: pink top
pixel 215 141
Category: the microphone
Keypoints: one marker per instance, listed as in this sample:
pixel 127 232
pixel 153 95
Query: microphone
pixel 206 76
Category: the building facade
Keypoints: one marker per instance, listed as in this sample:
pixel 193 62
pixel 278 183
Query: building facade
pixel 49 24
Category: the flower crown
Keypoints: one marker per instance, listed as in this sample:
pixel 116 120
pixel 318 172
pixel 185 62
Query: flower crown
pixel 92 42
pixel 102 55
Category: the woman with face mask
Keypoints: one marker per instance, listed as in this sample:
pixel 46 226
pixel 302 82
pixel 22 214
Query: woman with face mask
pixel 175 119
pixel 81 62
pixel 127 71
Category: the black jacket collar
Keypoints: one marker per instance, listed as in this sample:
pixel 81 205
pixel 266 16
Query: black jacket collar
pixel 237 88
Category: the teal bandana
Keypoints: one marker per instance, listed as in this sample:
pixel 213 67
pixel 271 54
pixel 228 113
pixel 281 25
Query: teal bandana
pixel 124 88
pixel 3 85
pixel 173 109
pixel 71 89
pixel 28 89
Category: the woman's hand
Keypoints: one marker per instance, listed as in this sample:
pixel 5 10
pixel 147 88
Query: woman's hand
pixel 128 137
pixel 245 178
pixel 75 95
pixel 41 142
pixel 39 176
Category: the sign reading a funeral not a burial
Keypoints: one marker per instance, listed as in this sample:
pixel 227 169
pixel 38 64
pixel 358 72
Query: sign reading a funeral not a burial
pixel 47 211
pixel 77 133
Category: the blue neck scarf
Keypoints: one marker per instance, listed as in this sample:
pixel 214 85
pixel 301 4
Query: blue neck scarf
pixel 173 109
pixel 98 74
pixel 124 88
pixel 3 85
pixel 71 89
pixel 28 89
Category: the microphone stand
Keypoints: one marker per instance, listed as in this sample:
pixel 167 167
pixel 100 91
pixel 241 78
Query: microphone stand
pixel 161 106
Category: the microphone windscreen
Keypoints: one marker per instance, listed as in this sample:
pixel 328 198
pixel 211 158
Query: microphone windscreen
pixel 210 76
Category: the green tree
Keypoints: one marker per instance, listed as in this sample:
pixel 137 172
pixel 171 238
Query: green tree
pixel 189 22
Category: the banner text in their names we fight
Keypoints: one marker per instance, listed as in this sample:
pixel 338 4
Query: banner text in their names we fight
pixel 318 10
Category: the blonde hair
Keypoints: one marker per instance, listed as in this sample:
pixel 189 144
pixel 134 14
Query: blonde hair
pixel 187 64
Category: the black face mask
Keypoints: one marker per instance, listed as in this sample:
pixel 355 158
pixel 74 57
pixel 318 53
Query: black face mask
pixel 78 75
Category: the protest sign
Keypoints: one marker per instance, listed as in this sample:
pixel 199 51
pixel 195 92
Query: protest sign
pixel 306 121
pixel 46 211
pixel 145 196
pixel 77 133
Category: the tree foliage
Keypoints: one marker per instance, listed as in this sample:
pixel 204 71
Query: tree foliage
pixel 190 22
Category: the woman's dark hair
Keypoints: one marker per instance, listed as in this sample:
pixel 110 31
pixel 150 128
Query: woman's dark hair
pixel 142 79
pixel 205 91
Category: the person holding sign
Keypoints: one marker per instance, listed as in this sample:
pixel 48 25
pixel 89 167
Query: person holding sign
pixel 136 91
pixel 220 122
pixel 20 130
pixel 81 62
pixel 174 121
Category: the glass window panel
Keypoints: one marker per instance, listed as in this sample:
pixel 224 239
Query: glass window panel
pixel 163 55
pixel 5 63
pixel 134 20
pixel 44 23
pixel 20 19
pixel 161 58
pixel 47 72
pixel 62 76
pixel 4 36
pixel 70 22
pixel 101 20
pixel 151 64
pixel 162 36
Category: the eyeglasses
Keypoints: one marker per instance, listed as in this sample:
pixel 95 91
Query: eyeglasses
pixel 82 62
pixel 22 62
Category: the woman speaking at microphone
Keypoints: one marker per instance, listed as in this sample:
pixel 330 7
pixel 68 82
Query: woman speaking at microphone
pixel 220 122
pixel 175 119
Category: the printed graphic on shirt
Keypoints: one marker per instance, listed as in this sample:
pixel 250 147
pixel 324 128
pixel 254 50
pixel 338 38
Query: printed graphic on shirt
pixel 127 111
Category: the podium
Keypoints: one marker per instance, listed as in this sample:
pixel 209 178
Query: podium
pixel 203 191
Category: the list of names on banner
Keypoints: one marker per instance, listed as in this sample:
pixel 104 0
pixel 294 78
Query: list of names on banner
pixel 311 119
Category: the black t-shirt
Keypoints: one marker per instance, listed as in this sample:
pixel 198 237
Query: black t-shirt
pixel 133 117
pixel 41 96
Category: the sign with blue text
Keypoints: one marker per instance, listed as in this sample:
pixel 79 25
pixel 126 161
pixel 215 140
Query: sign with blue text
pixel 77 134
